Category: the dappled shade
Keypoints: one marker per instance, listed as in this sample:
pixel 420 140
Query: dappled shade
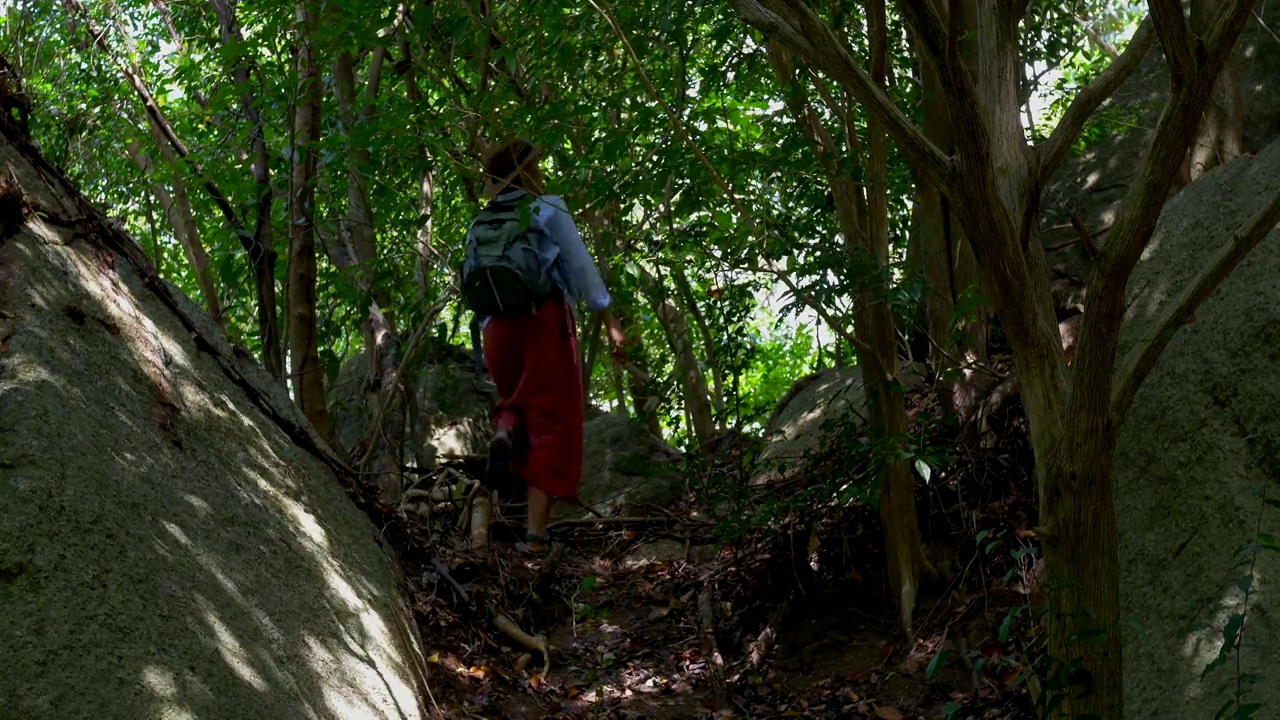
pixel 1198 457
pixel 170 545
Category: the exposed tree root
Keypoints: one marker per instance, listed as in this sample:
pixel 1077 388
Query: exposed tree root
pixel 481 515
pixel 710 649
pixel 532 643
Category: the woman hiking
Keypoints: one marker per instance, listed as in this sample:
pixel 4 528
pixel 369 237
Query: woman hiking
pixel 525 265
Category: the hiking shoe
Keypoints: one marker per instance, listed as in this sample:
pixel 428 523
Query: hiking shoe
pixel 528 547
pixel 497 471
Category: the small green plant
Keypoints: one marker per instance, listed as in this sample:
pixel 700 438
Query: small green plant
pixel 1239 682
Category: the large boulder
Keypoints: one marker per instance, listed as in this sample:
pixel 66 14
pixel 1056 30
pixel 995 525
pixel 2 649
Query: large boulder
pixel 624 466
pixel 175 541
pixel 1094 182
pixel 452 405
pixel 818 407
pixel 1197 454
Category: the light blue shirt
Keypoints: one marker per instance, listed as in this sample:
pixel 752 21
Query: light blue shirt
pixel 565 252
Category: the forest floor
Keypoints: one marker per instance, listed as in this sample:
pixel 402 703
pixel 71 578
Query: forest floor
pixel 670 615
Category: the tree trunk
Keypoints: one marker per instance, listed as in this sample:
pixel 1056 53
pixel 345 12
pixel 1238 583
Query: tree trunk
pixel 708 341
pixel 903 544
pixel 1082 565
pixel 424 264
pixel 305 368
pixel 966 279
pixel 360 224
pixel 863 222
pixel 693 384
pixel 261 250
pixel 177 209
pixel 257 245
pixel 643 396
pixel 1221 135
pixel 932 225
pixel 587 351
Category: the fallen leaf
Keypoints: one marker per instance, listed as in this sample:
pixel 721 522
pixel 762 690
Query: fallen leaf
pixel 889 713
pixel 659 613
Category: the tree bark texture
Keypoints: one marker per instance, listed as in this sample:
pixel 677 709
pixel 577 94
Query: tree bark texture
pixel 305 368
pixel 1221 135
pixel 904 546
pixel 261 248
pixel 863 220
pixel 426 253
pixel 704 333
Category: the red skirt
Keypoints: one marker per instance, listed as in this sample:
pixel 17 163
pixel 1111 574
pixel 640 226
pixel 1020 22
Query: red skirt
pixel 534 363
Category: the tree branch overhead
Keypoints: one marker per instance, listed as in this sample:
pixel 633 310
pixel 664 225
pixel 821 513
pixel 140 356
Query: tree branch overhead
pixel 796 26
pixel 1053 151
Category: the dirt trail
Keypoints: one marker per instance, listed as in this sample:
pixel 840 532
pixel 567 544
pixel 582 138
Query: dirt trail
pixel 637 614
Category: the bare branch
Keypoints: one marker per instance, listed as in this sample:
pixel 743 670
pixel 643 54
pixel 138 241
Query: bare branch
pixel 795 25
pixel 1086 238
pixel 1144 356
pixel 1096 38
pixel 1223 34
pixel 1054 150
pixel 1173 135
pixel 1263 24
pixel 1175 39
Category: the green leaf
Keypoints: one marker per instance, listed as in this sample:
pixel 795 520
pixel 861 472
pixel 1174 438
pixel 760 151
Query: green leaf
pixel 925 471
pixel 934 664
pixel 1245 583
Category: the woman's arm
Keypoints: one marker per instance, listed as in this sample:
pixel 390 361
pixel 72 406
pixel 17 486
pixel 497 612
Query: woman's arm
pixel 580 270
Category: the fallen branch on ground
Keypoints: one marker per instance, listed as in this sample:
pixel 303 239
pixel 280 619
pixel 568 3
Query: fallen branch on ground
pixel 622 520
pixel 443 571
pixel 710 649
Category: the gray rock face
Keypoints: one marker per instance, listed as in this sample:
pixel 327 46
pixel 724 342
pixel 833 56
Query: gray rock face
pixel 795 431
pixel 167 549
pixel 1095 182
pixel 624 466
pixel 1196 454
pixel 804 420
pixel 453 406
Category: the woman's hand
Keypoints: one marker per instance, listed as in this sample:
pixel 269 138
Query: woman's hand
pixel 617 338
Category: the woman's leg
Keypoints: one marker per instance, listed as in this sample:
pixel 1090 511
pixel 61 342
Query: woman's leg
pixel 539 516
pixel 552 406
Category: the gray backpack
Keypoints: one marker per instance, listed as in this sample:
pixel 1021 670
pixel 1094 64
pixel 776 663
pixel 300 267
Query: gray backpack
pixel 505 273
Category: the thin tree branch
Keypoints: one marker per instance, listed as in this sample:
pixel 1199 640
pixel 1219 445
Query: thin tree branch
pixel 1175 39
pixel 1054 150
pixel 1086 238
pixel 1263 24
pixel 798 27
pixel 1143 357
pixel 1096 38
